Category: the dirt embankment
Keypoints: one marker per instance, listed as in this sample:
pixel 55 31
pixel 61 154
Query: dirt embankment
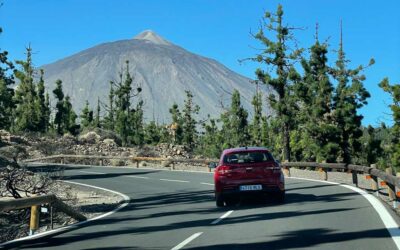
pixel 91 202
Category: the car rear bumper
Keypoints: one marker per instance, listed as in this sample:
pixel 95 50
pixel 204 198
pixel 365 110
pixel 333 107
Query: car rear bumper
pixel 265 190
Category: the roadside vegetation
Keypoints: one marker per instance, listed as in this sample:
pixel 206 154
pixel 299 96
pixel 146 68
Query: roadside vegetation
pixel 316 107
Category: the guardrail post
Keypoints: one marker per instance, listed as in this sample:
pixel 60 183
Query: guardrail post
pixel 354 177
pixel 374 183
pixel 62 160
pixel 391 188
pixel 137 164
pixel 207 166
pixel 324 173
pixel 172 165
pixel 34 221
pixel 286 171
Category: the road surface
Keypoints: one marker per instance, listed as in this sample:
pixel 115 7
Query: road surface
pixel 176 210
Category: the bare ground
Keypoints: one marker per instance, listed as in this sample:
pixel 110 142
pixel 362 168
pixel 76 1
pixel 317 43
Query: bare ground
pixel 89 201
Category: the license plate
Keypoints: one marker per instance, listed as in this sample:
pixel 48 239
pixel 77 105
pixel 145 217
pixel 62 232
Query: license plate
pixel 250 187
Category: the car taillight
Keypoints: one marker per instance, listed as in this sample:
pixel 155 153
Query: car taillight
pixel 223 170
pixel 275 169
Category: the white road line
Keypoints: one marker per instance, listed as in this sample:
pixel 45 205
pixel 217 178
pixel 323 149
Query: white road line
pixel 185 242
pixel 222 217
pixel 173 180
pixel 138 177
pixel 390 224
pixel 205 183
pixel 89 172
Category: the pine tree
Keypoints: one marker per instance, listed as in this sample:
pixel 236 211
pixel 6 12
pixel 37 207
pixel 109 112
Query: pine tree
pixel 122 105
pixel 239 121
pixel 43 105
pixel 350 95
pixel 165 136
pixel 86 116
pixel 189 123
pixel 109 119
pixel 315 91
pixel 26 113
pixel 234 124
pixel 152 133
pixel 372 149
pixel 6 92
pixel 137 124
pixel 278 55
pixel 256 126
pixel 47 115
pixel 128 122
pixel 394 149
pixel 97 122
pixel 265 133
pixel 60 110
pixel 177 124
pixel 212 140
pixel 70 117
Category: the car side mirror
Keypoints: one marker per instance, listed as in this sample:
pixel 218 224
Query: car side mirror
pixel 212 165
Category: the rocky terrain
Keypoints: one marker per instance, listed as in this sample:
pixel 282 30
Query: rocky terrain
pixel 98 142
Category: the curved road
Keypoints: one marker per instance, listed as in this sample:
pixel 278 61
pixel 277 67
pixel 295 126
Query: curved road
pixel 176 210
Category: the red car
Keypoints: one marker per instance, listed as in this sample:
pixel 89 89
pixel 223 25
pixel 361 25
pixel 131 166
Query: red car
pixel 247 170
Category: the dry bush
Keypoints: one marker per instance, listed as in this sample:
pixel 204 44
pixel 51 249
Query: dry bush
pixel 146 151
pixel 90 138
pixel 105 134
pixel 13 153
pixel 117 162
pixel 55 147
pixel 17 182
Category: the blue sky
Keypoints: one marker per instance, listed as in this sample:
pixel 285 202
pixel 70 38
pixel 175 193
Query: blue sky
pixel 217 29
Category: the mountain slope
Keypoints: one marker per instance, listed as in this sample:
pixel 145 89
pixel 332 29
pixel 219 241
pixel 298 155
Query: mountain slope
pixel 163 70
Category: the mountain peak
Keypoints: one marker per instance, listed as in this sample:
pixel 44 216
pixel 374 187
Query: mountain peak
pixel 151 36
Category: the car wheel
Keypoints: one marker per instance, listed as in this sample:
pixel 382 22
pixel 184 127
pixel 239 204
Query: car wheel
pixel 219 200
pixel 280 197
pixel 230 202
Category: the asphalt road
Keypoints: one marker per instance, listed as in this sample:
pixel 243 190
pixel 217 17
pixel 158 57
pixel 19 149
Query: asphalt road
pixel 173 210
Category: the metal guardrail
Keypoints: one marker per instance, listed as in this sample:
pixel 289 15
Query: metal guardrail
pixel 34 203
pixel 167 161
pixel 388 179
pixel 373 171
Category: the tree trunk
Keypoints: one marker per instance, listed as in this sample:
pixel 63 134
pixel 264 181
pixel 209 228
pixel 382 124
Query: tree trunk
pixel 286 142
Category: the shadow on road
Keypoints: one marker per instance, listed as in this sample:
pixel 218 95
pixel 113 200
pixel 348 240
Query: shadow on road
pixel 133 221
pixel 306 239
pixel 48 168
pixel 288 187
pixel 86 176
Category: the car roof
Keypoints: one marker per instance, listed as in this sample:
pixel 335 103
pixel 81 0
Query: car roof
pixel 243 149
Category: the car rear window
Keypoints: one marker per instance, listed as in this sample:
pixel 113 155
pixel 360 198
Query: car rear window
pixel 248 157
